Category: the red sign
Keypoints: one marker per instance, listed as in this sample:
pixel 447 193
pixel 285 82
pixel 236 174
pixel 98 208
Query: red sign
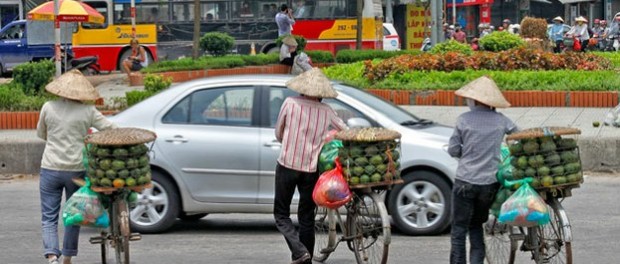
pixel 485 13
pixel 468 2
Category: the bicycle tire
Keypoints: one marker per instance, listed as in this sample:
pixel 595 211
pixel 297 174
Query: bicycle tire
pixel 555 237
pixel 121 231
pixel 501 247
pixel 370 229
pixel 325 233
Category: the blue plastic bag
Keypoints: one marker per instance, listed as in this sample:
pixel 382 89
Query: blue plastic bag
pixel 524 208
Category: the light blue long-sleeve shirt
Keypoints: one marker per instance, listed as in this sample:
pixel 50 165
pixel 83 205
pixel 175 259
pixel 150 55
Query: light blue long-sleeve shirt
pixel 284 24
pixel 556 32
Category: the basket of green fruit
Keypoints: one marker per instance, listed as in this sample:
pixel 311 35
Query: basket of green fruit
pixel 118 158
pixel 549 155
pixel 370 157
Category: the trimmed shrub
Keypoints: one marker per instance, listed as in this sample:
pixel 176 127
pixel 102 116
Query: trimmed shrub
pixel 320 56
pixel 134 97
pixel 32 77
pixel 533 28
pixel 500 41
pixel 154 83
pixel 301 41
pixel 10 97
pixel 451 46
pixel 217 43
pixel 260 59
pixel 349 56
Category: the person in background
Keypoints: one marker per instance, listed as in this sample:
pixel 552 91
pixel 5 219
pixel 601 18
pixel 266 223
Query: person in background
pixel 288 50
pixel 154 16
pixel 474 44
pixel 285 20
pixel 506 24
pixel 598 31
pixel 137 60
pixel 302 134
pixel 301 9
pixel 273 10
pixel 459 35
pixel 580 31
pixel 245 10
pixel 448 31
pixel 63 124
pixel 604 34
pixel 556 33
pixel 476 141
pixel 209 17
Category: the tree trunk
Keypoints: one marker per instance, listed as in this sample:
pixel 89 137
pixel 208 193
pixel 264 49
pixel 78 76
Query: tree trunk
pixel 360 14
pixel 196 45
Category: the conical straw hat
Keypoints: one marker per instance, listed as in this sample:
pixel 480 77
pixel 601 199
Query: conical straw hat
pixel 289 40
pixel 484 90
pixel 313 83
pixel 558 18
pixel 73 85
pixel 582 19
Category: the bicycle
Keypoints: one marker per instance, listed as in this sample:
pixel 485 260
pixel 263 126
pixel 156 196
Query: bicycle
pixel 366 230
pixel 549 243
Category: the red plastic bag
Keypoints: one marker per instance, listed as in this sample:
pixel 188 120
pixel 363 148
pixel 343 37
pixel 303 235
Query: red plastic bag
pixel 577 45
pixel 332 190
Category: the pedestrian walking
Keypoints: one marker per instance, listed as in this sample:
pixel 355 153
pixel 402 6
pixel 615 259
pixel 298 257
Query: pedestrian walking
pixel 459 35
pixel 448 31
pixel 301 127
pixel 476 142
pixel 63 124
pixel 288 51
pixel 580 31
pixel 556 34
pixel 285 20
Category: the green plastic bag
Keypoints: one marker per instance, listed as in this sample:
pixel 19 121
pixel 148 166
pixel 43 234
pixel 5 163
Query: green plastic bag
pixel 524 208
pixel 85 208
pixel 504 173
pixel 328 155
pixel 85 151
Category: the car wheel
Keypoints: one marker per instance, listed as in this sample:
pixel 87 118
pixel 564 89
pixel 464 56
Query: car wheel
pixel 190 218
pixel 421 206
pixel 157 208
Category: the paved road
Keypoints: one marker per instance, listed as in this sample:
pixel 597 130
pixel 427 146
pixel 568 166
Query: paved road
pixel 238 238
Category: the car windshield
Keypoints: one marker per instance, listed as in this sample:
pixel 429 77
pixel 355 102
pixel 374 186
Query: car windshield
pixel 390 110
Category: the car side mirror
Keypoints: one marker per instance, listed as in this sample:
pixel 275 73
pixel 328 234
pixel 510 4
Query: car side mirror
pixel 358 122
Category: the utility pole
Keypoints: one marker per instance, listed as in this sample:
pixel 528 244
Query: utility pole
pixel 195 46
pixel 436 21
pixel 360 20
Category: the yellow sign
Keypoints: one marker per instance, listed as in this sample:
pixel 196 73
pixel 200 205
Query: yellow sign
pixel 347 29
pixel 417 25
pixel 115 35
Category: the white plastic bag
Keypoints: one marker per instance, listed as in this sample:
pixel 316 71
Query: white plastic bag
pixel 613 117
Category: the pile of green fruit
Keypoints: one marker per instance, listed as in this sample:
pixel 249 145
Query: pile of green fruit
pixel 370 162
pixel 550 160
pixel 118 166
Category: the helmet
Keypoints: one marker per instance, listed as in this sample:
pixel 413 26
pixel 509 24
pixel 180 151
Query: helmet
pixel 507 21
pixel 597 21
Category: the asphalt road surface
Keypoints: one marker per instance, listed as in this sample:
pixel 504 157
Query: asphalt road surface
pixel 238 238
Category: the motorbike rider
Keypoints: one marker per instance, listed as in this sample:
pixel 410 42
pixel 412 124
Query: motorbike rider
pixel 580 31
pixel 604 32
pixel 612 35
pixel 556 33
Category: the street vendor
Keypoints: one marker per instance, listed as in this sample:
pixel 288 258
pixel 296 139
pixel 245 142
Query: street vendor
pixel 476 142
pixel 64 124
pixel 288 50
pixel 302 128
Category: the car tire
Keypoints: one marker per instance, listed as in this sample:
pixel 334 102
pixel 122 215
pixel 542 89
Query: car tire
pixel 166 210
pixel 191 218
pixel 422 204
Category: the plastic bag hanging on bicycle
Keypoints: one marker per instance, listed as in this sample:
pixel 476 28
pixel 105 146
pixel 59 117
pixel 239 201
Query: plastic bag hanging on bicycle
pixel 328 155
pixel 85 208
pixel 332 190
pixel 524 208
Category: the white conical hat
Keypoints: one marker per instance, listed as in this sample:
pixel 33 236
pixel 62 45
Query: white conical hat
pixel 73 85
pixel 313 83
pixel 558 18
pixel 484 90
pixel 582 19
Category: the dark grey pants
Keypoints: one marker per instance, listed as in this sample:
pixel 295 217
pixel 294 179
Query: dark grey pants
pixel 286 181
pixel 470 210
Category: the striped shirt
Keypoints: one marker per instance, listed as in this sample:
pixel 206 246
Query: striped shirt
pixel 476 140
pixel 301 127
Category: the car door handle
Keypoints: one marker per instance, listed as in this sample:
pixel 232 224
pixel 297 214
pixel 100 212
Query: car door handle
pixel 273 144
pixel 177 139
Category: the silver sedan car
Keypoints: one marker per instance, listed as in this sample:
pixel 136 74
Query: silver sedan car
pixel 216 152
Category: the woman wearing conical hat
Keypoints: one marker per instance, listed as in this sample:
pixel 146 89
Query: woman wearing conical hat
pixel 63 124
pixel 302 127
pixel 580 31
pixel 556 34
pixel 288 50
pixel 476 142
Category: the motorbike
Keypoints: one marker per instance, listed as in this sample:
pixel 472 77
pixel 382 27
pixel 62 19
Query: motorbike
pixel 88 65
pixel 426 45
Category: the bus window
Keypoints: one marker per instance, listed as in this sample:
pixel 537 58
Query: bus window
pixel 102 8
pixel 214 11
pixel 244 9
pixel 330 9
pixel 183 12
pixel 151 13
pixel 268 9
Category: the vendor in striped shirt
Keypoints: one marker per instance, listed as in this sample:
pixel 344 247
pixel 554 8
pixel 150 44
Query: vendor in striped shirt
pixel 302 127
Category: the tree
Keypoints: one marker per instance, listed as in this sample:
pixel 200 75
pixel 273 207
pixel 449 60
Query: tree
pixel 196 44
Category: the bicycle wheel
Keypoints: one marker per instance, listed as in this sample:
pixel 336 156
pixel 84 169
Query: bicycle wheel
pixel 499 247
pixel 325 233
pixel 370 228
pixel 555 237
pixel 121 231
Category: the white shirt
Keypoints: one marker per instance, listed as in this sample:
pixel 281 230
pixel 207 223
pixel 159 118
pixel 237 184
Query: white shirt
pixel 64 124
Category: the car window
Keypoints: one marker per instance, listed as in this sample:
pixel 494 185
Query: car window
pixel 386 32
pixel 344 111
pixel 14 32
pixel 276 98
pixel 230 106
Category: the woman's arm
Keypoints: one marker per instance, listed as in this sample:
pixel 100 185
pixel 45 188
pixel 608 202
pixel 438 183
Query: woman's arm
pixel 141 54
pixel 41 126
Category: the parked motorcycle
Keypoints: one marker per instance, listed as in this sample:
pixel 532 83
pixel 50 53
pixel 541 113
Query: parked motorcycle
pixel 426 45
pixel 88 65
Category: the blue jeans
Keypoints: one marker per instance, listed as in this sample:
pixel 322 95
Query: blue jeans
pixel 52 183
pixel 470 210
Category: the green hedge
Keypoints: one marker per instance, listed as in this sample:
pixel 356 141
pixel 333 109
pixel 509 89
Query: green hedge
pixel 32 77
pixel 614 57
pixel 349 56
pixel 13 98
pixel 320 56
pixel 564 80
